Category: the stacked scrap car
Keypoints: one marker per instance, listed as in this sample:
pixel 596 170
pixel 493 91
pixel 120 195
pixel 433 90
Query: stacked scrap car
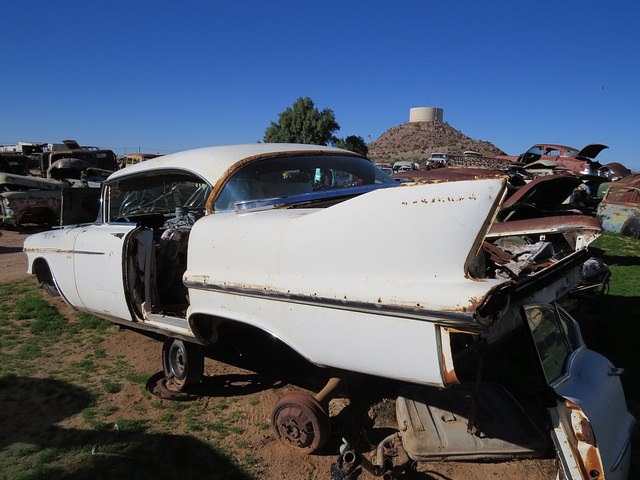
pixel 14 163
pixel 30 200
pixel 279 239
pixel 551 159
pixel 619 210
pixel 563 157
pixel 92 156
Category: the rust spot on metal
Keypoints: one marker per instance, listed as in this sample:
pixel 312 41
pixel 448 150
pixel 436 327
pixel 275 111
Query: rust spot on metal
pixel 448 370
pixel 442 175
pixel 588 452
pixel 563 222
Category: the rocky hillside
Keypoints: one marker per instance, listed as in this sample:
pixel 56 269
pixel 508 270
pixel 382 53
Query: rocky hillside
pixel 415 141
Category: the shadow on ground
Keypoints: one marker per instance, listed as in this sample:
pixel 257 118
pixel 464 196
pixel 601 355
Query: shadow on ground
pixel 31 408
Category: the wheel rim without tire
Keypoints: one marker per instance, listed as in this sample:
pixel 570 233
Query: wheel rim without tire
pixel 183 363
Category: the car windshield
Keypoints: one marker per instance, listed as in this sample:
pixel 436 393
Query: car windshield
pixel 289 176
pixel 155 194
pixel 537 150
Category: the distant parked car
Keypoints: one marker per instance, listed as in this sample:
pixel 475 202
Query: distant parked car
pixel 619 210
pixel 404 166
pixel 133 158
pixel 438 159
pixel 385 167
pixel 471 154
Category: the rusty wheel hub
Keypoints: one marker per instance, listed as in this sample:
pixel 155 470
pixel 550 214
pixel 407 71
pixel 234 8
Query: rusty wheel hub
pixel 300 422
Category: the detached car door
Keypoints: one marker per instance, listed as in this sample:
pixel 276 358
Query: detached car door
pixel 591 427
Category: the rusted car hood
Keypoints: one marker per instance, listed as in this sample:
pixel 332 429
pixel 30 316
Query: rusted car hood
pixel 591 151
pixel 22 182
pixel 545 193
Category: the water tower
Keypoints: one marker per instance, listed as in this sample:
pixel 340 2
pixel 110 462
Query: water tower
pixel 426 114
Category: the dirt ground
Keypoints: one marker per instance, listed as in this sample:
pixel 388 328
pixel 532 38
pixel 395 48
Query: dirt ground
pixel 13 261
pixel 366 417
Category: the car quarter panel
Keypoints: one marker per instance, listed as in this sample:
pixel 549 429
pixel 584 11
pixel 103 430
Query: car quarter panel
pixel 301 274
pixel 333 252
pixel 399 348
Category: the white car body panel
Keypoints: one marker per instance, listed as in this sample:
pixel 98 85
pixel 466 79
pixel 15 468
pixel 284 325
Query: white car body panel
pixel 284 243
pixel 348 340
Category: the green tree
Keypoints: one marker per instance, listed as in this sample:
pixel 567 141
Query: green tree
pixel 353 143
pixel 303 123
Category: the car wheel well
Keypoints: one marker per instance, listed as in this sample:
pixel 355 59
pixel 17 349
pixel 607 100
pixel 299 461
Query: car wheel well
pixel 205 327
pixel 43 273
pixel 209 328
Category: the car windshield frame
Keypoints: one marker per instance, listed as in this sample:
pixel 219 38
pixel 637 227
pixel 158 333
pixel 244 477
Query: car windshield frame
pixel 153 193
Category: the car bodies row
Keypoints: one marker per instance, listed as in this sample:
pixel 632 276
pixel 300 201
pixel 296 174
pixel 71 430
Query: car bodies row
pixel 66 192
pixel 284 239
pixel 578 161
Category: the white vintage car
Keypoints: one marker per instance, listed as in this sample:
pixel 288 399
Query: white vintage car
pixel 283 238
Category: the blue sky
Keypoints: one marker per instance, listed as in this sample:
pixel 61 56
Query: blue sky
pixel 165 76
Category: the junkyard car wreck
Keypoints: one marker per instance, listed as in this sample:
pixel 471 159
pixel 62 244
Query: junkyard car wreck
pixel 282 238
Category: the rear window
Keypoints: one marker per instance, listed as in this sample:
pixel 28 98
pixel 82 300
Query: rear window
pixel 623 195
pixel 289 176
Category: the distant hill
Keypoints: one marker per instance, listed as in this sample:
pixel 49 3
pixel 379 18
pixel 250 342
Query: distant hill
pixel 415 141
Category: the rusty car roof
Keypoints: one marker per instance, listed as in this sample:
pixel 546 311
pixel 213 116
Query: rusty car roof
pixel 554 145
pixel 214 163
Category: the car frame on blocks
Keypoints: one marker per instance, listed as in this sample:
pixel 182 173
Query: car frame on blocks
pixel 283 239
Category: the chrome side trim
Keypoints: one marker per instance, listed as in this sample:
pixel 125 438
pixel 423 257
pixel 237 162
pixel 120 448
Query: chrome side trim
pixel 452 319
